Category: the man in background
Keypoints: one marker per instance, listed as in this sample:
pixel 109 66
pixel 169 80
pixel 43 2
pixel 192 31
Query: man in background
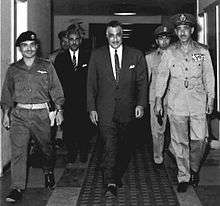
pixel 71 66
pixel 64 45
pixel 162 36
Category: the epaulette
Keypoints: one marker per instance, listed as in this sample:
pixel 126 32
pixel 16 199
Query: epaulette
pixel 202 45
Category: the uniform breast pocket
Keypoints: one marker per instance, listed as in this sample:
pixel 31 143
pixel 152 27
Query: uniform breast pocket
pixel 175 70
pixel 19 83
pixel 41 80
pixel 197 67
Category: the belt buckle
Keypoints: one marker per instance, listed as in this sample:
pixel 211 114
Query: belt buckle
pixel 31 106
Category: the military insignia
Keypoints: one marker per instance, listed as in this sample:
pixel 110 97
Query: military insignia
pixel 42 72
pixel 182 17
pixel 198 57
pixel 32 36
pixel 131 66
pixel 165 29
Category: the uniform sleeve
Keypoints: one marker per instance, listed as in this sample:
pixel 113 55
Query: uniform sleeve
pixel 141 81
pixel 208 75
pixel 163 75
pixel 92 84
pixel 7 91
pixel 55 88
pixel 147 58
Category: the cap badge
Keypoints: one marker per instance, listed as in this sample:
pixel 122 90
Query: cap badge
pixel 32 36
pixel 182 17
pixel 165 29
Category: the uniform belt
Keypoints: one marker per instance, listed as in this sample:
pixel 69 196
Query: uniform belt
pixel 32 106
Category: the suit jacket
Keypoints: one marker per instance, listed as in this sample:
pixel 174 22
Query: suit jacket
pixel 112 100
pixel 73 80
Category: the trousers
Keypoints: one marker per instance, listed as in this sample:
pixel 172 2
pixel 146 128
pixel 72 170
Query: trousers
pixel 26 123
pixel 188 141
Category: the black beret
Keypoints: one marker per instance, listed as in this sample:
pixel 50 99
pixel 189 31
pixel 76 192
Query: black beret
pixel 183 19
pixel 26 36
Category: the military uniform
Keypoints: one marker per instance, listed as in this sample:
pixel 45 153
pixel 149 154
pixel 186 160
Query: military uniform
pixel 191 84
pixel 27 91
pixel 153 60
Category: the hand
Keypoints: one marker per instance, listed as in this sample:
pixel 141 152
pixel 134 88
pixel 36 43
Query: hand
pixel 139 112
pixel 94 117
pixel 210 106
pixel 6 121
pixel 52 116
pixel 158 109
pixel 59 117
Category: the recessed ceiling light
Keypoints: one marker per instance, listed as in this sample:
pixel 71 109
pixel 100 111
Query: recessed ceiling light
pixel 125 13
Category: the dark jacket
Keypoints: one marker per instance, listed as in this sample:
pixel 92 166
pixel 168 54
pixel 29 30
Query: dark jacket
pixel 105 96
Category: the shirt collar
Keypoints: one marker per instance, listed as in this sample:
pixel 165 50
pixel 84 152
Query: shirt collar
pixel 119 49
pixel 72 52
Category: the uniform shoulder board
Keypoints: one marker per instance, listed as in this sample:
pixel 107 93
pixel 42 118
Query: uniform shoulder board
pixel 202 45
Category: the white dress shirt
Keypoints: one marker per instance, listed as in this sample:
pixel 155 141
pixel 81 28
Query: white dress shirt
pixel 76 55
pixel 112 55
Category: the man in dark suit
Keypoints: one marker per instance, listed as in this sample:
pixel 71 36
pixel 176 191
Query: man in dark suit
pixel 71 67
pixel 116 95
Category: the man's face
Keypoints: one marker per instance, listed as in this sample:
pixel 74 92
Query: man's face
pixel 163 41
pixel 74 41
pixel 28 49
pixel 184 32
pixel 64 43
pixel 114 36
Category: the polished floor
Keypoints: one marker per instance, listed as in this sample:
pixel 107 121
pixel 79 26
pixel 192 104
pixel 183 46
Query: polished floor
pixel 71 184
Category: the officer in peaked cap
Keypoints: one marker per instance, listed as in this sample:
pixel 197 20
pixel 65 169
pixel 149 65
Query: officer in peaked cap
pixel 188 66
pixel 162 35
pixel 26 36
pixel 183 19
pixel 163 30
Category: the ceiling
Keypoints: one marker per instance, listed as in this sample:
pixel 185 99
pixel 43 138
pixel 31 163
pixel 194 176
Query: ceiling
pixel 108 7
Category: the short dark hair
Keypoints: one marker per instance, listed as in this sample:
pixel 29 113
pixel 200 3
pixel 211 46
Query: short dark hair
pixel 62 34
pixel 76 29
pixel 114 23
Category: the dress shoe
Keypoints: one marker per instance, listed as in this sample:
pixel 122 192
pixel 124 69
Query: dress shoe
pixel 182 187
pixel 194 178
pixel 14 196
pixel 112 188
pixel 49 180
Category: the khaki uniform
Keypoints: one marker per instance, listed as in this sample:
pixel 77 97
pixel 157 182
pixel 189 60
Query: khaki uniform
pixel 191 85
pixel 153 60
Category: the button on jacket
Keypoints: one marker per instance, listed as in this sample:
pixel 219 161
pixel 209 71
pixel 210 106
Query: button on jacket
pixel 191 79
pixel 153 60
pixel 30 86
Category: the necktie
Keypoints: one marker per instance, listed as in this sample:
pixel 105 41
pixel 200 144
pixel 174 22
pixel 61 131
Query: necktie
pixel 117 67
pixel 74 60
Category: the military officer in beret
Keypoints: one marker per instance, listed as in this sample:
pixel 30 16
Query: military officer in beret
pixel 162 35
pixel 190 98
pixel 29 85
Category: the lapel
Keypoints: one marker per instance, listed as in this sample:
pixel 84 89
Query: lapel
pixel 125 63
pixel 109 69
